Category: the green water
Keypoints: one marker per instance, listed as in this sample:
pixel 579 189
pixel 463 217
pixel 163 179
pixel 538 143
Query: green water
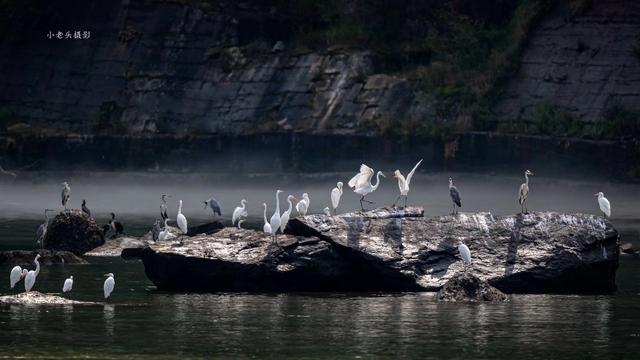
pixel 141 322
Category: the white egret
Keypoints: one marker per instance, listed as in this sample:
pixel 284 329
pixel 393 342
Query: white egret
pixel 17 274
pixel 240 211
pixel 275 218
pixel 361 183
pixel 336 194
pixel 66 194
pixel 403 183
pixel 240 223
pixel 327 211
pixel 523 193
pixel 284 219
pixel 465 253
pixel 267 227
pixel 455 196
pixel 85 209
pixel 30 278
pixel 303 205
pixel 605 205
pixel 181 220
pixel 68 284
pixel 108 286
pixel 165 234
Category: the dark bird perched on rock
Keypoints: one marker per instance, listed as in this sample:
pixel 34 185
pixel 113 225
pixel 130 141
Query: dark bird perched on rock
pixel 114 226
pixel 85 209
pixel 155 230
pixel 455 196
pixel 214 205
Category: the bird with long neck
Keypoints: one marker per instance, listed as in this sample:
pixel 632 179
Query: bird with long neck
pixel 275 218
pixel 239 212
pixel 30 277
pixel 284 219
pixel 523 193
pixel 403 183
pixel 163 207
pixel 361 183
pixel 181 219
pixel 336 194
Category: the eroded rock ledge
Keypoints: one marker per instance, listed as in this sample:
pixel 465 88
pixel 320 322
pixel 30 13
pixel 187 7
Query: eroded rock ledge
pixel 395 250
pixel 38 298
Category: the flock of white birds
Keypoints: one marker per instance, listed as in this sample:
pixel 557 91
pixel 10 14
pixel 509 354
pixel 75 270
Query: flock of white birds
pixel 360 184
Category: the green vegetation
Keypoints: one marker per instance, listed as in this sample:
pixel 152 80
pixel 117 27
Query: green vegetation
pixel 549 120
pixel 619 122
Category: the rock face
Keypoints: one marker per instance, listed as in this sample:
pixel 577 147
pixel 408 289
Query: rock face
pixel 47 257
pixel 467 287
pixel 74 231
pixel 395 250
pixel 38 298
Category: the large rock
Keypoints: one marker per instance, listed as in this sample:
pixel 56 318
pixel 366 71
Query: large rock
pixel 74 231
pixel 47 257
pixel 467 287
pixel 395 250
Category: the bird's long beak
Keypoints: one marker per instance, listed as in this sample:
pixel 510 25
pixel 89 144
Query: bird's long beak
pixel 596 194
pixel 105 275
pixel 205 204
pixel 383 175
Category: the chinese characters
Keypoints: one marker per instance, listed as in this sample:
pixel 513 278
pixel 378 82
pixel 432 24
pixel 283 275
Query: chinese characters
pixel 69 35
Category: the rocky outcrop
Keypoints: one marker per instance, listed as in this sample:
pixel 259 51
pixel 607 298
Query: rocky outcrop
pixel 467 287
pixel 583 65
pixel 38 298
pixel 74 231
pixel 395 250
pixel 24 258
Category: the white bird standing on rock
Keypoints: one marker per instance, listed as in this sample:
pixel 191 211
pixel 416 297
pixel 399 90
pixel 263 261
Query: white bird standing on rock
pixel 605 205
pixel 336 194
pixel 267 227
pixel 68 284
pixel 17 274
pixel 165 234
pixel 108 286
pixel 239 212
pixel 181 219
pixel 30 278
pixel 284 219
pixel 523 193
pixel 66 194
pixel 465 253
pixel 403 183
pixel 303 205
pixel 327 211
pixel 361 183
pixel 275 218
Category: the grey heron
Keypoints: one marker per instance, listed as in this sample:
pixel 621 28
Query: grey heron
pixel 214 205
pixel 361 183
pixel 403 184
pixel 30 278
pixel 523 193
pixel 181 220
pixel 68 284
pixel 155 230
pixel 336 194
pixel 41 233
pixel 66 194
pixel 239 212
pixel 284 219
pixel 275 218
pixel 109 285
pixel 266 227
pixel 163 206
pixel 455 196
pixel 303 205
pixel 85 209
pixel 605 205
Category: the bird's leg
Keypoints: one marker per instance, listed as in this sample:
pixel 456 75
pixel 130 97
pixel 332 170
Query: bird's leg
pixel 526 211
pixel 394 203
pixel 405 201
pixel 362 206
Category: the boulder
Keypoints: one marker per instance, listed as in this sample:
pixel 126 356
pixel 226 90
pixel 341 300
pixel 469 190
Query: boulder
pixel 24 258
pixel 38 298
pixel 74 231
pixel 468 287
pixel 394 250
pixel 627 248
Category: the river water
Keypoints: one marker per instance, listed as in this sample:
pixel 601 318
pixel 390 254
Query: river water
pixel 142 322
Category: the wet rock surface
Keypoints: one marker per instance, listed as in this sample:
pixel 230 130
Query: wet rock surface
pixel 468 287
pixel 395 250
pixel 38 298
pixel 114 247
pixel 74 231
pixel 47 257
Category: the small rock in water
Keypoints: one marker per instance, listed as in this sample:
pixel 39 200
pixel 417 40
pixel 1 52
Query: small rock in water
pixel 627 248
pixel 38 298
pixel 467 287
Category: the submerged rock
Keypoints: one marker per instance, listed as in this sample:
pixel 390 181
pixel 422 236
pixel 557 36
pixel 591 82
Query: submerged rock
pixel 467 287
pixel 394 250
pixel 47 257
pixel 74 231
pixel 38 298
